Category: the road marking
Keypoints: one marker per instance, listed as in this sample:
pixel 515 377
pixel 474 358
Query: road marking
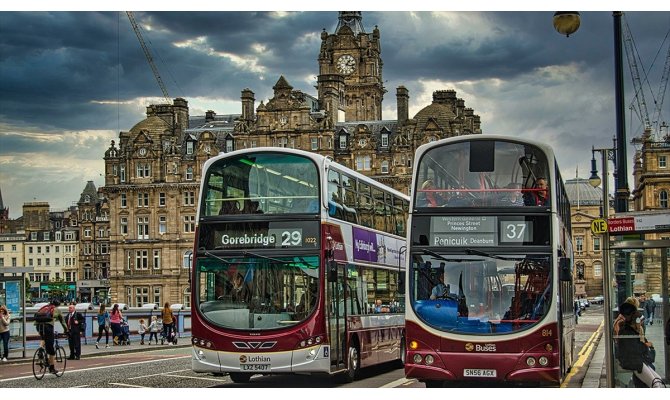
pixel 397 382
pixel 192 377
pixel 583 354
pixel 126 385
pixel 158 374
pixel 69 371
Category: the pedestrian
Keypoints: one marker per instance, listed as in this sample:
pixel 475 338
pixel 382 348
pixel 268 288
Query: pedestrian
pixel 4 332
pixel 103 326
pixel 643 307
pixel 75 324
pixel 115 318
pixel 633 350
pixel 168 320
pixel 649 308
pixel 153 329
pixel 142 330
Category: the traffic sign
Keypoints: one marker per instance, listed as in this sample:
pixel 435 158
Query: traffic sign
pixel 599 226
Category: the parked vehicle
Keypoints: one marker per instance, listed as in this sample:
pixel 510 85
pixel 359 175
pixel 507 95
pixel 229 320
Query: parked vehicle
pixel 598 300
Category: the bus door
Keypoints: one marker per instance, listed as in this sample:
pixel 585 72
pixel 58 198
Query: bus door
pixel 336 320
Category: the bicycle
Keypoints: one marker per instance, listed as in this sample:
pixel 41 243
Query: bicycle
pixel 41 360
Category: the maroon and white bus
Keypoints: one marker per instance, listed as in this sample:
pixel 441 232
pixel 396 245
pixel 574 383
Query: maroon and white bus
pixel 489 283
pixel 296 267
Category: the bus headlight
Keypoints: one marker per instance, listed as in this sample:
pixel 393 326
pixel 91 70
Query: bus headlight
pixel 530 361
pixel 429 360
pixel 543 361
pixel 417 359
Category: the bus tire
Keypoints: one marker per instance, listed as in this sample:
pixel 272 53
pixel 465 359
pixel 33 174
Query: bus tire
pixel 403 353
pixel 239 377
pixel 353 362
pixel 434 384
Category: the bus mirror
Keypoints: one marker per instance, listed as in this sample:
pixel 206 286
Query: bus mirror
pixel 565 269
pixel 401 284
pixel 332 271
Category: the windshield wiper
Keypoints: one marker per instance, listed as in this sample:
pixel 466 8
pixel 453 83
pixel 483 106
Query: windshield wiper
pixel 207 253
pixel 481 253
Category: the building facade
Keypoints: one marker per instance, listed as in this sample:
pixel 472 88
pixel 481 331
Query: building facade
pixel 152 175
pixel 586 206
pixel 651 192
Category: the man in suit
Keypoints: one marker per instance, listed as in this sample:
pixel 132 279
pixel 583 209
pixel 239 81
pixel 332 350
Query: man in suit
pixel 75 325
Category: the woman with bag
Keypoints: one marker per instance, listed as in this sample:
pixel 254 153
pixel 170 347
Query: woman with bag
pixel 103 326
pixel 168 320
pixel 634 352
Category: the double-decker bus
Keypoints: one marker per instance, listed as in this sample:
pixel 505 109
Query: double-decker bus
pixel 296 268
pixel 489 283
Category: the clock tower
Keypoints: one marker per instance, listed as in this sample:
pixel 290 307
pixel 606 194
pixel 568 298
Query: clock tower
pixel 350 65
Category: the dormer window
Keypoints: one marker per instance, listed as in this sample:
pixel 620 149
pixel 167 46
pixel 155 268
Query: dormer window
pixel 343 141
pixel 189 148
pixel 87 199
pixel 230 145
pixel 385 140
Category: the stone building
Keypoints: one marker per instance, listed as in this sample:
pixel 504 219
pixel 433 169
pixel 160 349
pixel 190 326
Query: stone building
pixel 586 206
pixel 651 193
pixel 93 214
pixel 152 175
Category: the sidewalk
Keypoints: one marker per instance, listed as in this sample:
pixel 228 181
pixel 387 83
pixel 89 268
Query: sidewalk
pixel 88 347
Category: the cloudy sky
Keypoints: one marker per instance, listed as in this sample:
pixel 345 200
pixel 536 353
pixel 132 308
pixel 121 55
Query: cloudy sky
pixel 70 81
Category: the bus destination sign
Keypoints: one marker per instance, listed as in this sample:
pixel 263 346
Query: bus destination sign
pixel 473 231
pixel 457 231
pixel 260 235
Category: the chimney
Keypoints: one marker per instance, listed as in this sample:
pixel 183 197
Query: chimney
pixel 209 116
pixel 402 102
pixel 248 101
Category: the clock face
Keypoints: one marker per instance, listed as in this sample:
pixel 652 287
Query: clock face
pixel 346 64
pixel 143 151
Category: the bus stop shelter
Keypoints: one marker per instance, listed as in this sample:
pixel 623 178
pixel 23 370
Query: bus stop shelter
pixel 633 266
pixel 13 296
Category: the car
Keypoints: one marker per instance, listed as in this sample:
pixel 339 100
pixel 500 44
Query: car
pixel 598 300
pixel 584 303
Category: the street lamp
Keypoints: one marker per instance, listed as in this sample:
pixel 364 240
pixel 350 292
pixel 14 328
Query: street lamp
pixel 566 23
pixel 594 180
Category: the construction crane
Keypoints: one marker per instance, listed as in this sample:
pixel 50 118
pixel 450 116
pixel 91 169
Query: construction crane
pixel 632 63
pixel 147 53
pixel 661 90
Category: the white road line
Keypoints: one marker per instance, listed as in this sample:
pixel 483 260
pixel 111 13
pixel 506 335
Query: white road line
pixel 397 382
pixel 126 385
pixel 102 367
pixel 160 373
pixel 194 377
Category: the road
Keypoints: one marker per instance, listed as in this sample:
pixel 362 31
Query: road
pixel 170 367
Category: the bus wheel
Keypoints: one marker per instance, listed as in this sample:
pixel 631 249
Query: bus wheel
pixel 403 353
pixel 434 384
pixel 353 363
pixel 239 378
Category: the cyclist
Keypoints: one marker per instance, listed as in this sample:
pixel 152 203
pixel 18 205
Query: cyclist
pixel 46 331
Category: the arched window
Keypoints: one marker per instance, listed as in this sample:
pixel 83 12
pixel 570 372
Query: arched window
pixel 663 199
pixel 597 270
pixel 186 260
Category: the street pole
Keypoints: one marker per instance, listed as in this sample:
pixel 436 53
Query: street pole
pixel 622 191
pixel 607 280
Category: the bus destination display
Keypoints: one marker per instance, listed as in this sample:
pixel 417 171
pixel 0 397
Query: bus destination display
pixel 265 235
pixel 479 231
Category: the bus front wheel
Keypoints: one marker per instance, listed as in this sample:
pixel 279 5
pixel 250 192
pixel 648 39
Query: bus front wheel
pixel 434 384
pixel 239 378
pixel 353 363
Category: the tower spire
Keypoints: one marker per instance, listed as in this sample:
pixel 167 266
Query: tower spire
pixel 352 19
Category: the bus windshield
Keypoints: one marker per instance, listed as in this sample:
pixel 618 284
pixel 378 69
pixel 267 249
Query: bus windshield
pixel 256 292
pixel 261 183
pixel 479 173
pixel 480 293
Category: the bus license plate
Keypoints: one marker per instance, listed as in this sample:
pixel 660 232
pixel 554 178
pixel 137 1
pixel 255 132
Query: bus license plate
pixel 484 373
pixel 255 367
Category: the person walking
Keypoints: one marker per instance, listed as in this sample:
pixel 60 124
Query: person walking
pixel 103 326
pixel 142 330
pixel 75 324
pixel 649 308
pixel 168 321
pixel 153 329
pixel 115 318
pixel 4 332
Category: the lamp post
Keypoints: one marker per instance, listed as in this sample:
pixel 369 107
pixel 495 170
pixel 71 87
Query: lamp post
pixel 594 180
pixel 566 23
